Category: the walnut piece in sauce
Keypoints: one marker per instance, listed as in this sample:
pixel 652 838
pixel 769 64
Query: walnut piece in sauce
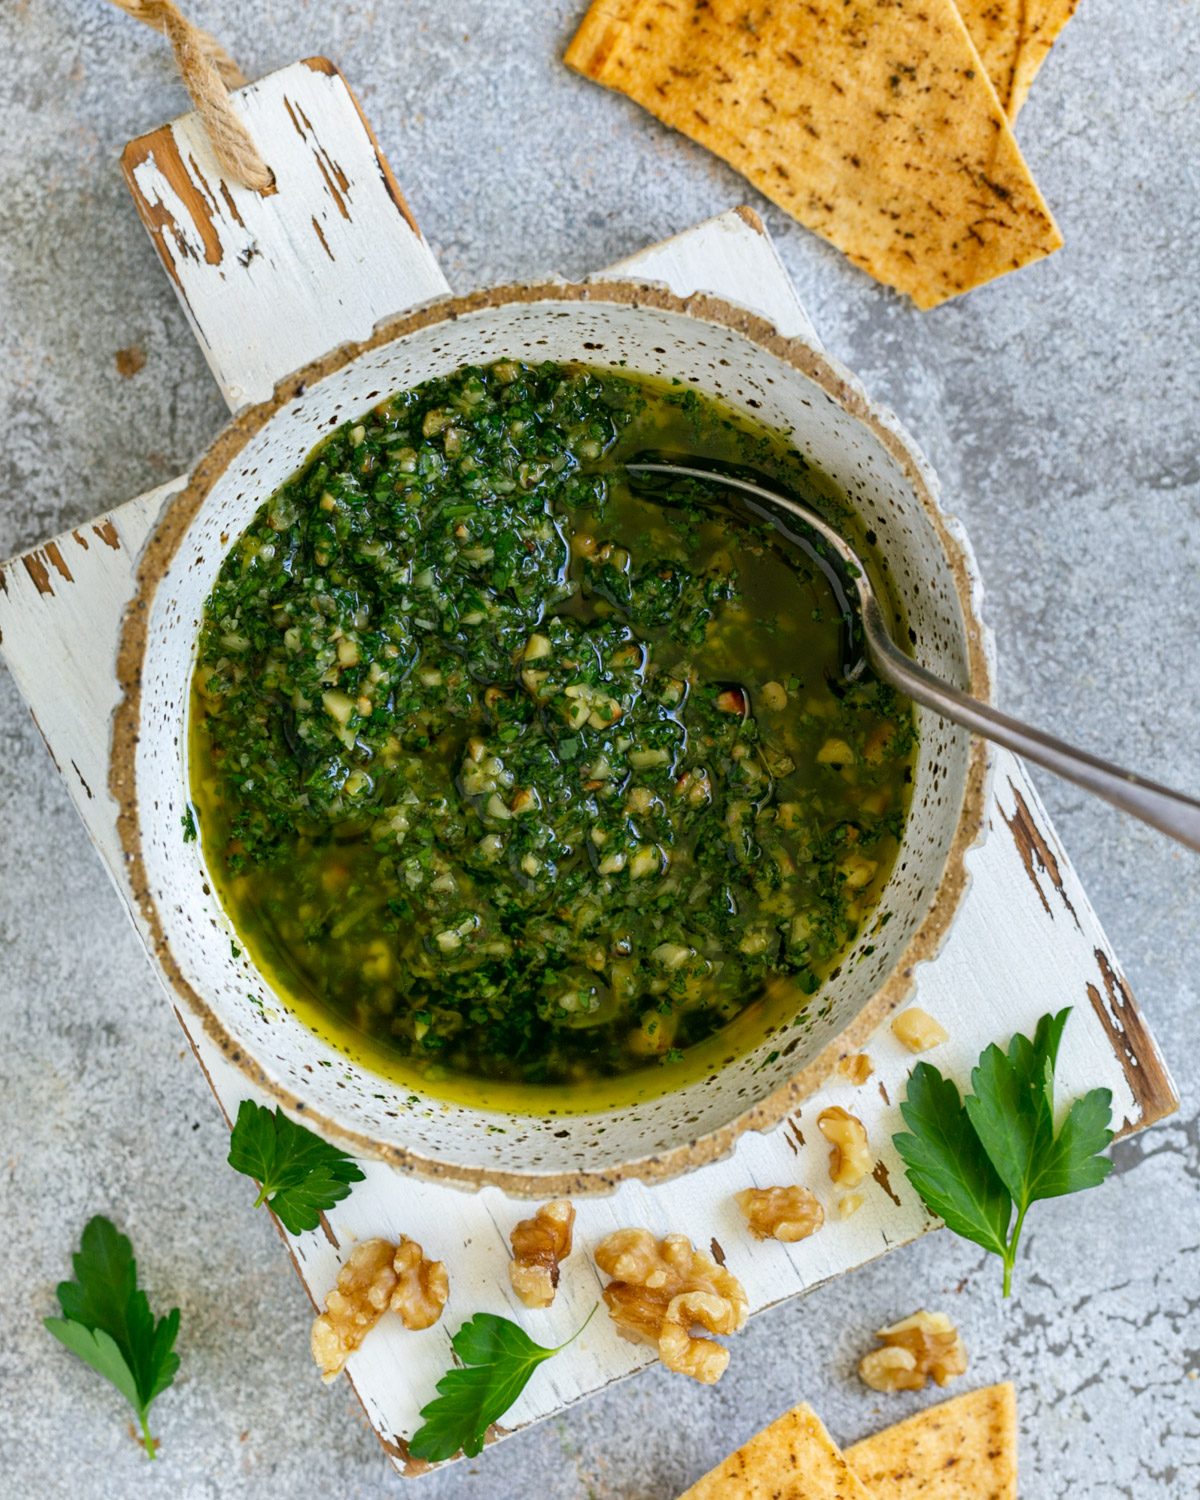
pixel 850 1158
pixel 376 1276
pixel 539 1246
pixel 919 1348
pixel 661 1289
pixel 856 1068
pixel 781 1213
pixel 918 1031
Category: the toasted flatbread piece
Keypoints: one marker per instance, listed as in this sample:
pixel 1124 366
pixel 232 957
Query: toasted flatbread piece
pixel 875 125
pixel 1013 38
pixel 793 1459
pixel 964 1449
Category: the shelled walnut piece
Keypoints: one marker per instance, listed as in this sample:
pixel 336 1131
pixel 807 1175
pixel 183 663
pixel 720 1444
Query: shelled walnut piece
pixel 539 1246
pixel 781 1213
pixel 856 1068
pixel 661 1289
pixel 850 1158
pixel 422 1286
pixel 917 1030
pixel 924 1346
pixel 376 1277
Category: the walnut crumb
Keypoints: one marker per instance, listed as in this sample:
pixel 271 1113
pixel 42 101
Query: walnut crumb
pixel 376 1276
pixel 918 1348
pixel 850 1158
pixel 850 1205
pixel 856 1068
pixel 130 361
pixel 918 1031
pixel 539 1246
pixel 661 1289
pixel 781 1213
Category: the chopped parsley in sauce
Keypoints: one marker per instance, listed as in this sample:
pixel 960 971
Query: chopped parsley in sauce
pixel 510 776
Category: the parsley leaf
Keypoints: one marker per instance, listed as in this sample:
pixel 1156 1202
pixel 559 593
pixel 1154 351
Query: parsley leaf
pixel 499 1358
pixel 107 1322
pixel 947 1165
pixel 300 1175
pixel 978 1162
pixel 1012 1108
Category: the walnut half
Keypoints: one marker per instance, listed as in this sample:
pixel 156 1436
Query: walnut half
pixel 539 1246
pixel 662 1289
pixel 923 1346
pixel 850 1158
pixel 781 1213
pixel 376 1276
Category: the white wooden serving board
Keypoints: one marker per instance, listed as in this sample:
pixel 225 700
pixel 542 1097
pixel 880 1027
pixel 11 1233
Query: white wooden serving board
pixel 270 282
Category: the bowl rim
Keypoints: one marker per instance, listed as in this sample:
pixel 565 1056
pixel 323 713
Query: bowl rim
pixel 925 943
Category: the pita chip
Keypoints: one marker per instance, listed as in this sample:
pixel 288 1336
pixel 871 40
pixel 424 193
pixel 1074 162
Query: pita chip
pixel 964 1449
pixel 793 1459
pixel 875 125
pixel 1013 38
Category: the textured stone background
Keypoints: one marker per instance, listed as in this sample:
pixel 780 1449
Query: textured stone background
pixel 1060 407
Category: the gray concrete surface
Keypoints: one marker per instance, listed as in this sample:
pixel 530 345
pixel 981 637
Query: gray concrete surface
pixel 1060 407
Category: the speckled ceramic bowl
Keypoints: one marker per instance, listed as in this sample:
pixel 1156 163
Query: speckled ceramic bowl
pixel 722 350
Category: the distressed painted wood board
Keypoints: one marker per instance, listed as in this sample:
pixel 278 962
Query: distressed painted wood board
pixel 1026 937
pixel 272 281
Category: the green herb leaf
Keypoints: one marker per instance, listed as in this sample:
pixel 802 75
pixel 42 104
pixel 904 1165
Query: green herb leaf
pixel 945 1162
pixel 107 1322
pixel 499 1358
pixel 976 1162
pixel 1012 1107
pixel 1074 1162
pixel 299 1174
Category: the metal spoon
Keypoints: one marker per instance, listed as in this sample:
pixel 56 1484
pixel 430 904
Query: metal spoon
pixel 1172 812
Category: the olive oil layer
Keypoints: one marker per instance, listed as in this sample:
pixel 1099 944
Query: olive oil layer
pixel 523 788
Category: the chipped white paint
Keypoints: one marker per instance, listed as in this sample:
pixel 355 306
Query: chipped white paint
pixel 1027 938
pixel 272 281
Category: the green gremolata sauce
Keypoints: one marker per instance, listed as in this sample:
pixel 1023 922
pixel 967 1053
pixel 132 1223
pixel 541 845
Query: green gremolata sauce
pixel 524 788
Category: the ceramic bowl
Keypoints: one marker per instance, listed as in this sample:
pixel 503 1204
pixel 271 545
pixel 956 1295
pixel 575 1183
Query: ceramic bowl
pixel 722 350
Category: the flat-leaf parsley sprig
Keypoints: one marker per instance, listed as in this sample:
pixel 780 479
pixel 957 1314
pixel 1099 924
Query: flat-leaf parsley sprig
pixel 497 1358
pixel 980 1163
pixel 300 1175
pixel 107 1321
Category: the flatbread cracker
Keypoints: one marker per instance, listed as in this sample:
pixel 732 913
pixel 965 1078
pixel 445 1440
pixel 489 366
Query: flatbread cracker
pixel 793 1459
pixel 1013 38
pixel 874 125
pixel 964 1449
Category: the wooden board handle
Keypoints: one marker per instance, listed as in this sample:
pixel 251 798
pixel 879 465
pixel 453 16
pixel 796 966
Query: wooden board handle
pixel 270 281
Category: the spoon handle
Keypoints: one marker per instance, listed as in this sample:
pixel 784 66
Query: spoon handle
pixel 1172 812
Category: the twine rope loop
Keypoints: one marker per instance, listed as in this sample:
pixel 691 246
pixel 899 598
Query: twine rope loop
pixel 208 73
